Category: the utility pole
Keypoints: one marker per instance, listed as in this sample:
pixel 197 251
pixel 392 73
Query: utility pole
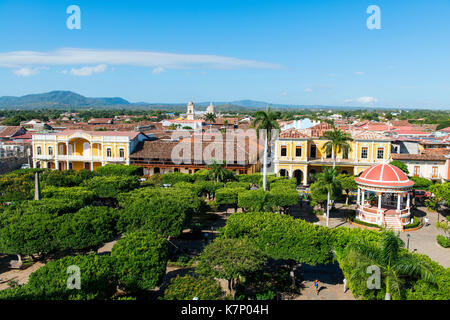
pixel 37 187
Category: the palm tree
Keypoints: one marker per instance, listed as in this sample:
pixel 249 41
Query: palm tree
pixel 211 118
pixel 328 180
pixel 218 172
pixel 265 120
pixel 337 140
pixel 387 256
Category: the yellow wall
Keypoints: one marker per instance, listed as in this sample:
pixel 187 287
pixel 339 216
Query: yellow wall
pixel 355 152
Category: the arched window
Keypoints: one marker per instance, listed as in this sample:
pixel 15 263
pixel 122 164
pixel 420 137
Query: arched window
pixel 39 151
pixel 50 151
pixel 109 152
pixel 121 153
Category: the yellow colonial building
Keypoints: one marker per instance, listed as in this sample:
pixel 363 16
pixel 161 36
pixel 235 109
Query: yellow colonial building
pixel 77 150
pixel 301 153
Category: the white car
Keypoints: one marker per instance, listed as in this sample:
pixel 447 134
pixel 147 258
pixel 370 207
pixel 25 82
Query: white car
pixel 25 166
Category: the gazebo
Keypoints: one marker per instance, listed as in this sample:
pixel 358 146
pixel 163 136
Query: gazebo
pixel 384 196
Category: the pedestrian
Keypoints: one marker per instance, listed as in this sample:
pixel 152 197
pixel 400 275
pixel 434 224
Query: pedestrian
pixel 206 236
pixel 316 287
pixel 345 285
pixel 300 202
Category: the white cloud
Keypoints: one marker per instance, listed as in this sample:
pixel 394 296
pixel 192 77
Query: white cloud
pixel 308 90
pixel 26 72
pixel 362 100
pixel 158 70
pixel 83 57
pixel 359 73
pixel 367 100
pixel 88 71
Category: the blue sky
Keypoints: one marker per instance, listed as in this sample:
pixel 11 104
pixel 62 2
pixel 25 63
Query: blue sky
pixel 293 52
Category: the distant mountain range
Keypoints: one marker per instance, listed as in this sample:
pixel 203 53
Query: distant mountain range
pixel 59 99
pixel 68 99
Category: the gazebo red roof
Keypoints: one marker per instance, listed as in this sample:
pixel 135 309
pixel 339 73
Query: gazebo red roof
pixel 384 175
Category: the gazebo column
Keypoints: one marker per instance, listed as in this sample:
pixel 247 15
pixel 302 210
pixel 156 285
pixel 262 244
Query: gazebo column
pixel 358 199
pixel 398 201
pixel 408 202
pixel 379 201
pixel 363 194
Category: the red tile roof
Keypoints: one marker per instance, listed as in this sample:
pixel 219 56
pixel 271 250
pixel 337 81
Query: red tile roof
pixel 384 175
pixel 292 134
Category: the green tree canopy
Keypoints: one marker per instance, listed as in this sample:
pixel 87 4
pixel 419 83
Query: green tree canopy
pixel 189 287
pixel 401 165
pixel 230 258
pixel 141 258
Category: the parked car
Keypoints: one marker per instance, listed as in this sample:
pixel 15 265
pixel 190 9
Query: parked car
pixel 25 166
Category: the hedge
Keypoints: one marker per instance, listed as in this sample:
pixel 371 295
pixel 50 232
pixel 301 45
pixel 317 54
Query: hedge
pixel 119 170
pixel 443 241
pixel 111 186
pixel 98 280
pixel 189 287
pixel 141 260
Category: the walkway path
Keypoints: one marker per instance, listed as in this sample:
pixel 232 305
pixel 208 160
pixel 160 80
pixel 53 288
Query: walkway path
pixel 20 276
pixel 424 240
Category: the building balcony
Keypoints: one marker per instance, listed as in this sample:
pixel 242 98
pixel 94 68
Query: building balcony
pixel 76 158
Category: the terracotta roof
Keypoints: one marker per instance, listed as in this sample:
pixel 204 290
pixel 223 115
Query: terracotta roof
pixel 426 156
pixel 101 120
pixel 445 130
pixel 319 129
pixel 398 123
pixel 130 134
pixel 292 134
pixel 9 131
pixel 384 175
pixel 161 151
pixel 378 127
pixel 411 132
pixel 368 135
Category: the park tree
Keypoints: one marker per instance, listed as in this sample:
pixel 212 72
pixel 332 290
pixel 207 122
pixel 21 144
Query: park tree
pixel 229 196
pixel 140 259
pixel 189 287
pixel 111 186
pixel 283 197
pixel 265 120
pixel 421 183
pixel 282 237
pixel 165 213
pixel 98 281
pixel 338 141
pixel 401 165
pixel 229 259
pixel 348 184
pixel 218 173
pixel 29 234
pixel 88 228
pixel 119 170
pixel 175 177
pixel 254 200
pixel 393 263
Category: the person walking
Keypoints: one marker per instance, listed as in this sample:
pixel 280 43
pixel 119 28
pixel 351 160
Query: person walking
pixel 345 285
pixel 316 287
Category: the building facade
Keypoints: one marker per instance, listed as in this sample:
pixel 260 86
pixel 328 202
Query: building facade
pixel 300 154
pixel 79 150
